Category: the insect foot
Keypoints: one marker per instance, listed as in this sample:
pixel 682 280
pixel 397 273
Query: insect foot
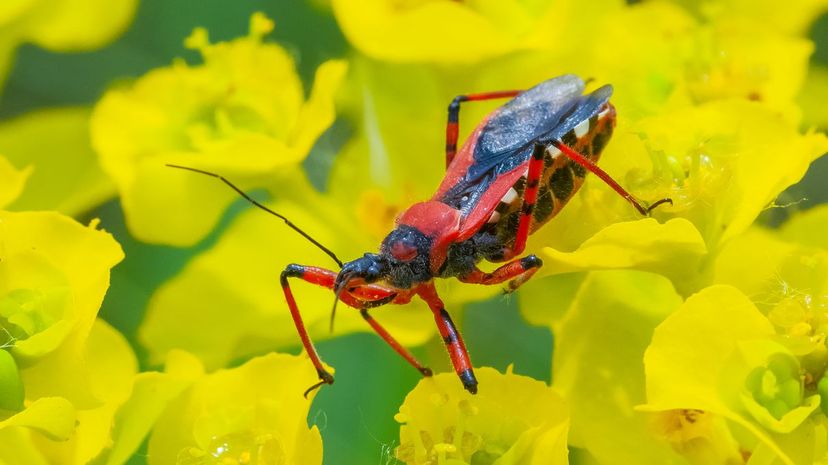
pixel 657 203
pixel 324 377
pixel 469 381
pixel 530 264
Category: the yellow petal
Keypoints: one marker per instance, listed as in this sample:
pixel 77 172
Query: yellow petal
pixel 52 416
pixel 11 182
pixel 696 362
pixel 725 165
pixel 151 395
pixel 236 114
pixel 691 346
pixel 255 411
pixel 597 363
pixel 72 183
pixel 512 420
pixel 318 112
pixel 438 31
pixel 746 59
pixel 72 25
pixel 111 367
pixel 793 18
pixel 17 447
pixel 14 9
pixel 674 249
pixel 46 255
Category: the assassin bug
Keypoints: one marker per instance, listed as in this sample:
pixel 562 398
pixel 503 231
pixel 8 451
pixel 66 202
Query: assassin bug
pixel 507 180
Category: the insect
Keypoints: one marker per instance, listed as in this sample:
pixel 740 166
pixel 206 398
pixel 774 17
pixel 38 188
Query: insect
pixel 516 171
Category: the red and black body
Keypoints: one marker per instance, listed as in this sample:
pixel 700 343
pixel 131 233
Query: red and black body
pixel 516 171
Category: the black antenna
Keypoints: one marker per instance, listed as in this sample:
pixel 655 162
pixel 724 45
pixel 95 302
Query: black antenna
pixel 338 292
pixel 333 310
pixel 249 199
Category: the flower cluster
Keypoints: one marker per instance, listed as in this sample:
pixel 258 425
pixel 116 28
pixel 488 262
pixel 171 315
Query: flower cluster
pixel 696 336
pixel 705 95
pixel 63 372
pixel 242 112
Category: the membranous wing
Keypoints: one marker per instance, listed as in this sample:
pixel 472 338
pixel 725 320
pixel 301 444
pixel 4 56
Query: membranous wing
pixel 543 113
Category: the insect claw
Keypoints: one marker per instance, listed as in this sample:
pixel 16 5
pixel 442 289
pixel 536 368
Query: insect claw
pixel 657 203
pixel 324 378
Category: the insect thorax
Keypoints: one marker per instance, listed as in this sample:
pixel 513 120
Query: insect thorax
pixel 462 257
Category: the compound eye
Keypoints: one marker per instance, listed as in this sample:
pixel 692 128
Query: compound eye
pixel 403 251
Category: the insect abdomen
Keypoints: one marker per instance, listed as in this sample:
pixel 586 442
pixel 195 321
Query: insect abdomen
pixel 560 180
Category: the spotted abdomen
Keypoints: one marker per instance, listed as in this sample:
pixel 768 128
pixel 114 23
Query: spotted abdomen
pixel 560 180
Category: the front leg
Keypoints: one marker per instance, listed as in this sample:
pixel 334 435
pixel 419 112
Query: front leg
pixel 454 342
pixel 312 275
pixel 516 272
pixel 361 297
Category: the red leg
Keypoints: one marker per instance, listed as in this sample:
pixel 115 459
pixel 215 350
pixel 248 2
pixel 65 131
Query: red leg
pixel 454 116
pixel 356 297
pixel 362 297
pixel 454 342
pixel 530 196
pixel 386 336
pixel 516 272
pixel 588 164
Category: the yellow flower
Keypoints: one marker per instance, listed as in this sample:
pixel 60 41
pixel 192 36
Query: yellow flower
pixel 512 420
pixel 687 74
pixel 241 113
pixel 72 183
pixel 733 370
pixel 607 322
pixel 730 59
pixel 713 361
pixel 701 437
pixel 460 32
pixel 72 370
pixel 61 25
pixel 793 18
pixel 757 363
pixel 721 170
pixel 252 414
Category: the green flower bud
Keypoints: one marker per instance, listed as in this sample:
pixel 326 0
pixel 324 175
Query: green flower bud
pixel 822 389
pixel 776 386
pixel 11 387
